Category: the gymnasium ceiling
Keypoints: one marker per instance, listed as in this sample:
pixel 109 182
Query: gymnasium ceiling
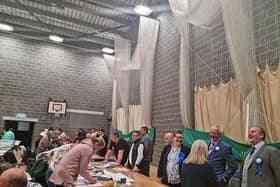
pixel 84 24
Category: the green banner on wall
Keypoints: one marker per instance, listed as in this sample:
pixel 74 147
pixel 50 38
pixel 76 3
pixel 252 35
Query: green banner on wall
pixel 239 149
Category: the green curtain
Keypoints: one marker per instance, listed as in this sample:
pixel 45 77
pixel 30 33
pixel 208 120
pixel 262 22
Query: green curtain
pixel 127 136
pixel 239 150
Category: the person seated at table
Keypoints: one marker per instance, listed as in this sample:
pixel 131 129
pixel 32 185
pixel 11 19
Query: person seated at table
pixel 45 140
pixel 118 148
pixel 196 171
pixel 75 162
pixel 136 154
pixel 8 134
pixel 171 160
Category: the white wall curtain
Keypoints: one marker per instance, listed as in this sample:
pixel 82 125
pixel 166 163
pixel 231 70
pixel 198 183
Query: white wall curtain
pixel 220 105
pixel 269 84
pixel 122 120
pixel 110 63
pixel 135 117
pixel 142 60
pixel 238 28
pixel 122 55
pixel 147 40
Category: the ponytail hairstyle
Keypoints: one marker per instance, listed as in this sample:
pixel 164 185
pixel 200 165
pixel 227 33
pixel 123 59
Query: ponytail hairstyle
pixel 97 138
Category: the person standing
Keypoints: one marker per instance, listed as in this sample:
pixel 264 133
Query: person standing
pixel 171 160
pixel 220 157
pixel 75 163
pixel 118 148
pixel 196 171
pixel 136 154
pixel 168 138
pixel 8 134
pixel 261 166
pixel 148 153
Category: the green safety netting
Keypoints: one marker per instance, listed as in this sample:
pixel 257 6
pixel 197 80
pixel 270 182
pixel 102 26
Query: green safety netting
pixel 127 136
pixel 239 149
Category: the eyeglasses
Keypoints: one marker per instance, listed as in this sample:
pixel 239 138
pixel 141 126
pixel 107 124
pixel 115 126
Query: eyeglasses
pixel 179 137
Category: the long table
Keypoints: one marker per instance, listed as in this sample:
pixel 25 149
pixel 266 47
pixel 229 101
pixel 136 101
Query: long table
pixel 139 180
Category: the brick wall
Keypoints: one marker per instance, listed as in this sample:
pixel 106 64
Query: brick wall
pixel 166 114
pixel 31 72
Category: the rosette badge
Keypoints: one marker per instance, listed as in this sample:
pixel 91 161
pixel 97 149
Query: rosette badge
pixel 259 166
pixel 217 148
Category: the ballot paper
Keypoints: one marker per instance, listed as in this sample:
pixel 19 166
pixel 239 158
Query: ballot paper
pixel 106 165
pixel 117 176
pixel 82 182
pixel 120 169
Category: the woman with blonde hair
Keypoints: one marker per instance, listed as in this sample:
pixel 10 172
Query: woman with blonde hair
pixel 75 162
pixel 196 171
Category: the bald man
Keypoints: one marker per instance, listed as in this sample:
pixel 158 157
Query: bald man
pixel 220 156
pixel 168 138
pixel 13 177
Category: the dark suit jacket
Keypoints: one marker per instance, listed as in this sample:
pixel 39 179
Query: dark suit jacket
pixel 162 173
pixel 194 175
pixel 222 160
pixel 270 167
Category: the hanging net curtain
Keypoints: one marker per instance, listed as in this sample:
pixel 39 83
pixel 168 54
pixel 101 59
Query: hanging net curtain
pixel 143 61
pixel 269 85
pixel 220 105
pixel 237 17
pixel 135 120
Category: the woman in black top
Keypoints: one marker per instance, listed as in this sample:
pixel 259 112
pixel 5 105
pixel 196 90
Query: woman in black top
pixel 196 171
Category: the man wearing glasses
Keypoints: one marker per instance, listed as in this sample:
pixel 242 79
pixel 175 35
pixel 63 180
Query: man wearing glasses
pixel 171 160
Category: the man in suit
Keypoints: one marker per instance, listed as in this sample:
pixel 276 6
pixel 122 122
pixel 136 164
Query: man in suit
pixel 220 157
pixel 261 166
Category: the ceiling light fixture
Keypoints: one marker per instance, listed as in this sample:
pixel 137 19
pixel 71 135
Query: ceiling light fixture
pixel 6 27
pixel 143 10
pixel 108 50
pixel 56 38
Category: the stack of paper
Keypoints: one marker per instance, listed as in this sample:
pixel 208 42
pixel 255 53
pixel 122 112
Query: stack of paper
pixel 81 182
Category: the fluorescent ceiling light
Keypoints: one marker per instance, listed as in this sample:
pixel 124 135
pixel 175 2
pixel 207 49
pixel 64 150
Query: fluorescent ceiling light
pixel 6 27
pixel 143 10
pixel 107 50
pixel 55 38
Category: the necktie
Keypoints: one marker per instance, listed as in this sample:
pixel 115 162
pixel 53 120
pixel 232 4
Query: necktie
pixel 252 151
pixel 211 147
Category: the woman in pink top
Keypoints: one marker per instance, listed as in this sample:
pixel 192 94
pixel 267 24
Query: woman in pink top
pixel 76 162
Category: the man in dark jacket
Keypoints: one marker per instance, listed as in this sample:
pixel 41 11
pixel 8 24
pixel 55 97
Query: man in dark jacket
pixel 178 152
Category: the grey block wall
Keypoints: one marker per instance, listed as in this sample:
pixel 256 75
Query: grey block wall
pixel 32 72
pixel 166 111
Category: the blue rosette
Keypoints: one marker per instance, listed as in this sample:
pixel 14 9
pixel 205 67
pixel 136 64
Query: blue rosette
pixel 259 166
pixel 181 157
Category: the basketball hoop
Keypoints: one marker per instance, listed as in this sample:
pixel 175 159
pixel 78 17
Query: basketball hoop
pixel 56 114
